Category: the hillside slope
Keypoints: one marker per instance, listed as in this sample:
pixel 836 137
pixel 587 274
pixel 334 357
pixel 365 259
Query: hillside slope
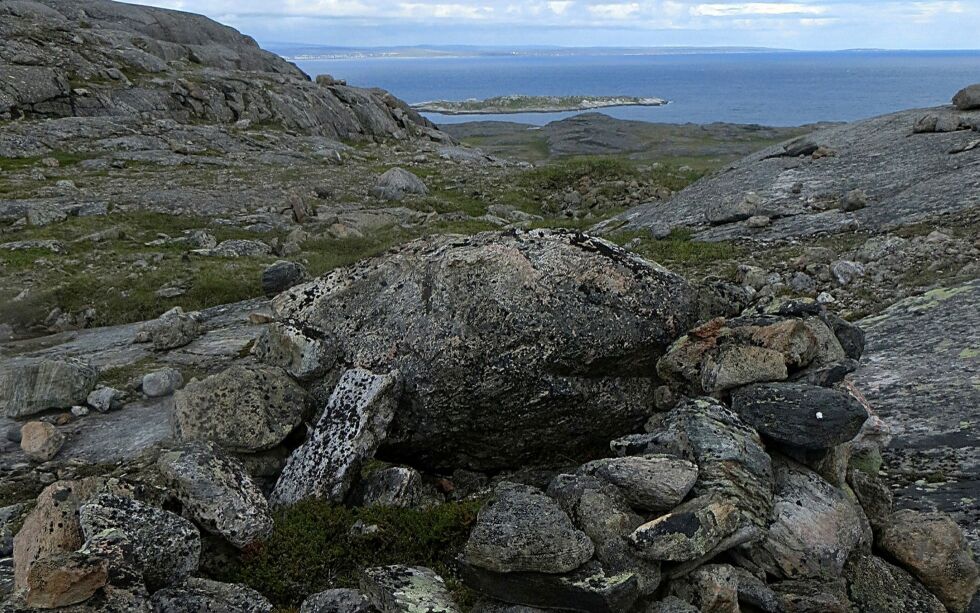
pixel 62 58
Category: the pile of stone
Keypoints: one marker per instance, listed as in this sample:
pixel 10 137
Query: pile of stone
pixel 757 489
pixel 732 465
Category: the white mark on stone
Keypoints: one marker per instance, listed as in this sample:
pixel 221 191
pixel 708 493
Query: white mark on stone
pixel 819 415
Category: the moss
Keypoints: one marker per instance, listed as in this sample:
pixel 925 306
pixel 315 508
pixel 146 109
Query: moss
pixel 680 252
pixel 119 376
pixel 312 547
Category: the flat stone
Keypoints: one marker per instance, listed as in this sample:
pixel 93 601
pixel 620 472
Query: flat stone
pixel 687 533
pixel 589 589
pixel 352 426
pixel 650 483
pixel 406 589
pixel 522 530
pixel 206 595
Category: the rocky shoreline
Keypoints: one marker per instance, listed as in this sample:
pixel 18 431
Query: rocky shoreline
pixel 503 105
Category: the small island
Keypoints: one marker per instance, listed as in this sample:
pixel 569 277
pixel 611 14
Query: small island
pixel 532 104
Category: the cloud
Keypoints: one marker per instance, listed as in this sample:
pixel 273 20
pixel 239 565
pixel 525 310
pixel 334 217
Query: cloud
pixel 559 7
pixel 756 8
pixel 614 11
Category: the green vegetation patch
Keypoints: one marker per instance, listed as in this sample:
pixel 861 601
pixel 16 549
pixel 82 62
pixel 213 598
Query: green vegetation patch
pixel 315 547
pixel 680 252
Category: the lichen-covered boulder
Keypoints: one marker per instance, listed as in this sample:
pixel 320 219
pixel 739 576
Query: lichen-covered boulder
pixel 686 533
pixel 875 585
pixel 340 600
pixel 217 493
pixel 243 409
pixel 32 385
pixel 352 426
pixel 731 460
pixel 173 329
pixel 814 526
pixel 302 353
pixel 514 347
pixel 206 595
pixel 407 588
pixel 522 530
pixel 165 547
pixel 932 547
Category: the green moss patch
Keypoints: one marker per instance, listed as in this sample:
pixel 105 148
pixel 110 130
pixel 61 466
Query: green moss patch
pixel 314 547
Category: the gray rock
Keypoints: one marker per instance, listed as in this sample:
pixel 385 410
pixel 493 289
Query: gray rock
pixel 236 248
pixel 172 330
pixel 875 585
pixel 281 276
pixel 397 486
pixel 687 533
pixel 713 587
pixel 522 530
pixel 337 601
pixel 32 385
pixel 672 604
pixel 653 443
pixel 728 210
pixel 406 589
pixel 932 547
pixel 800 415
pixel 352 426
pixel 968 98
pixel 162 382
pixel 304 353
pixel 9 519
pixel 650 483
pixel 217 493
pixel 40 440
pixel 531 399
pixel 731 460
pixel 845 271
pixel 874 497
pixel 206 595
pixel 855 200
pixel 396 184
pixel 814 526
pixel 909 179
pixel 105 399
pixel 165 547
pixel 243 409
pixel 601 511
pixel 589 589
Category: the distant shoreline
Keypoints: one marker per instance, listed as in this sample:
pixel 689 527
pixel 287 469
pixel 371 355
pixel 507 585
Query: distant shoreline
pixel 508 105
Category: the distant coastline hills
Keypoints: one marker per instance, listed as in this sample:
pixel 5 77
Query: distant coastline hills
pixel 301 52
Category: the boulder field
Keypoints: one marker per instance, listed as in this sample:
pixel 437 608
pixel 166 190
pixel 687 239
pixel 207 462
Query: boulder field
pixel 643 445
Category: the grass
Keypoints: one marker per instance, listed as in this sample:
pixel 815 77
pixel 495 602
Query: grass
pixel 312 547
pixel 64 159
pixel 680 252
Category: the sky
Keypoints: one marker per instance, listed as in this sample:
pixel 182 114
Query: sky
pixel 798 24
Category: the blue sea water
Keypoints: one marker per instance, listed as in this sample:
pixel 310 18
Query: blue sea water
pixel 770 88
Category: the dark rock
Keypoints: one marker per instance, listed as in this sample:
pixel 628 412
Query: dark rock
pixel 653 443
pixel 562 331
pixel 281 276
pixel 800 415
pixel 968 98
pixel 206 595
pixel 713 587
pixel 352 426
pixel 396 486
pixel 522 530
pixel 812 596
pixel 589 589
pixel 874 497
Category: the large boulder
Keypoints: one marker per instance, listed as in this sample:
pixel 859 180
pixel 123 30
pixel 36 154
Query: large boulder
pixel 932 547
pixel 353 424
pixel 875 585
pixel 522 530
pixel 396 588
pixel 398 183
pixel 32 385
pixel 514 347
pixel 165 546
pixel 243 409
pixel 968 98
pixel 217 492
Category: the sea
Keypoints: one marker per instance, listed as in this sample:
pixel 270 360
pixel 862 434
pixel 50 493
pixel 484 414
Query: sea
pixel 768 88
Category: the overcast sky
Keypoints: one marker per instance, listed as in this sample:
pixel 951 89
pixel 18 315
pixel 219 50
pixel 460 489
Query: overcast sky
pixel 800 24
